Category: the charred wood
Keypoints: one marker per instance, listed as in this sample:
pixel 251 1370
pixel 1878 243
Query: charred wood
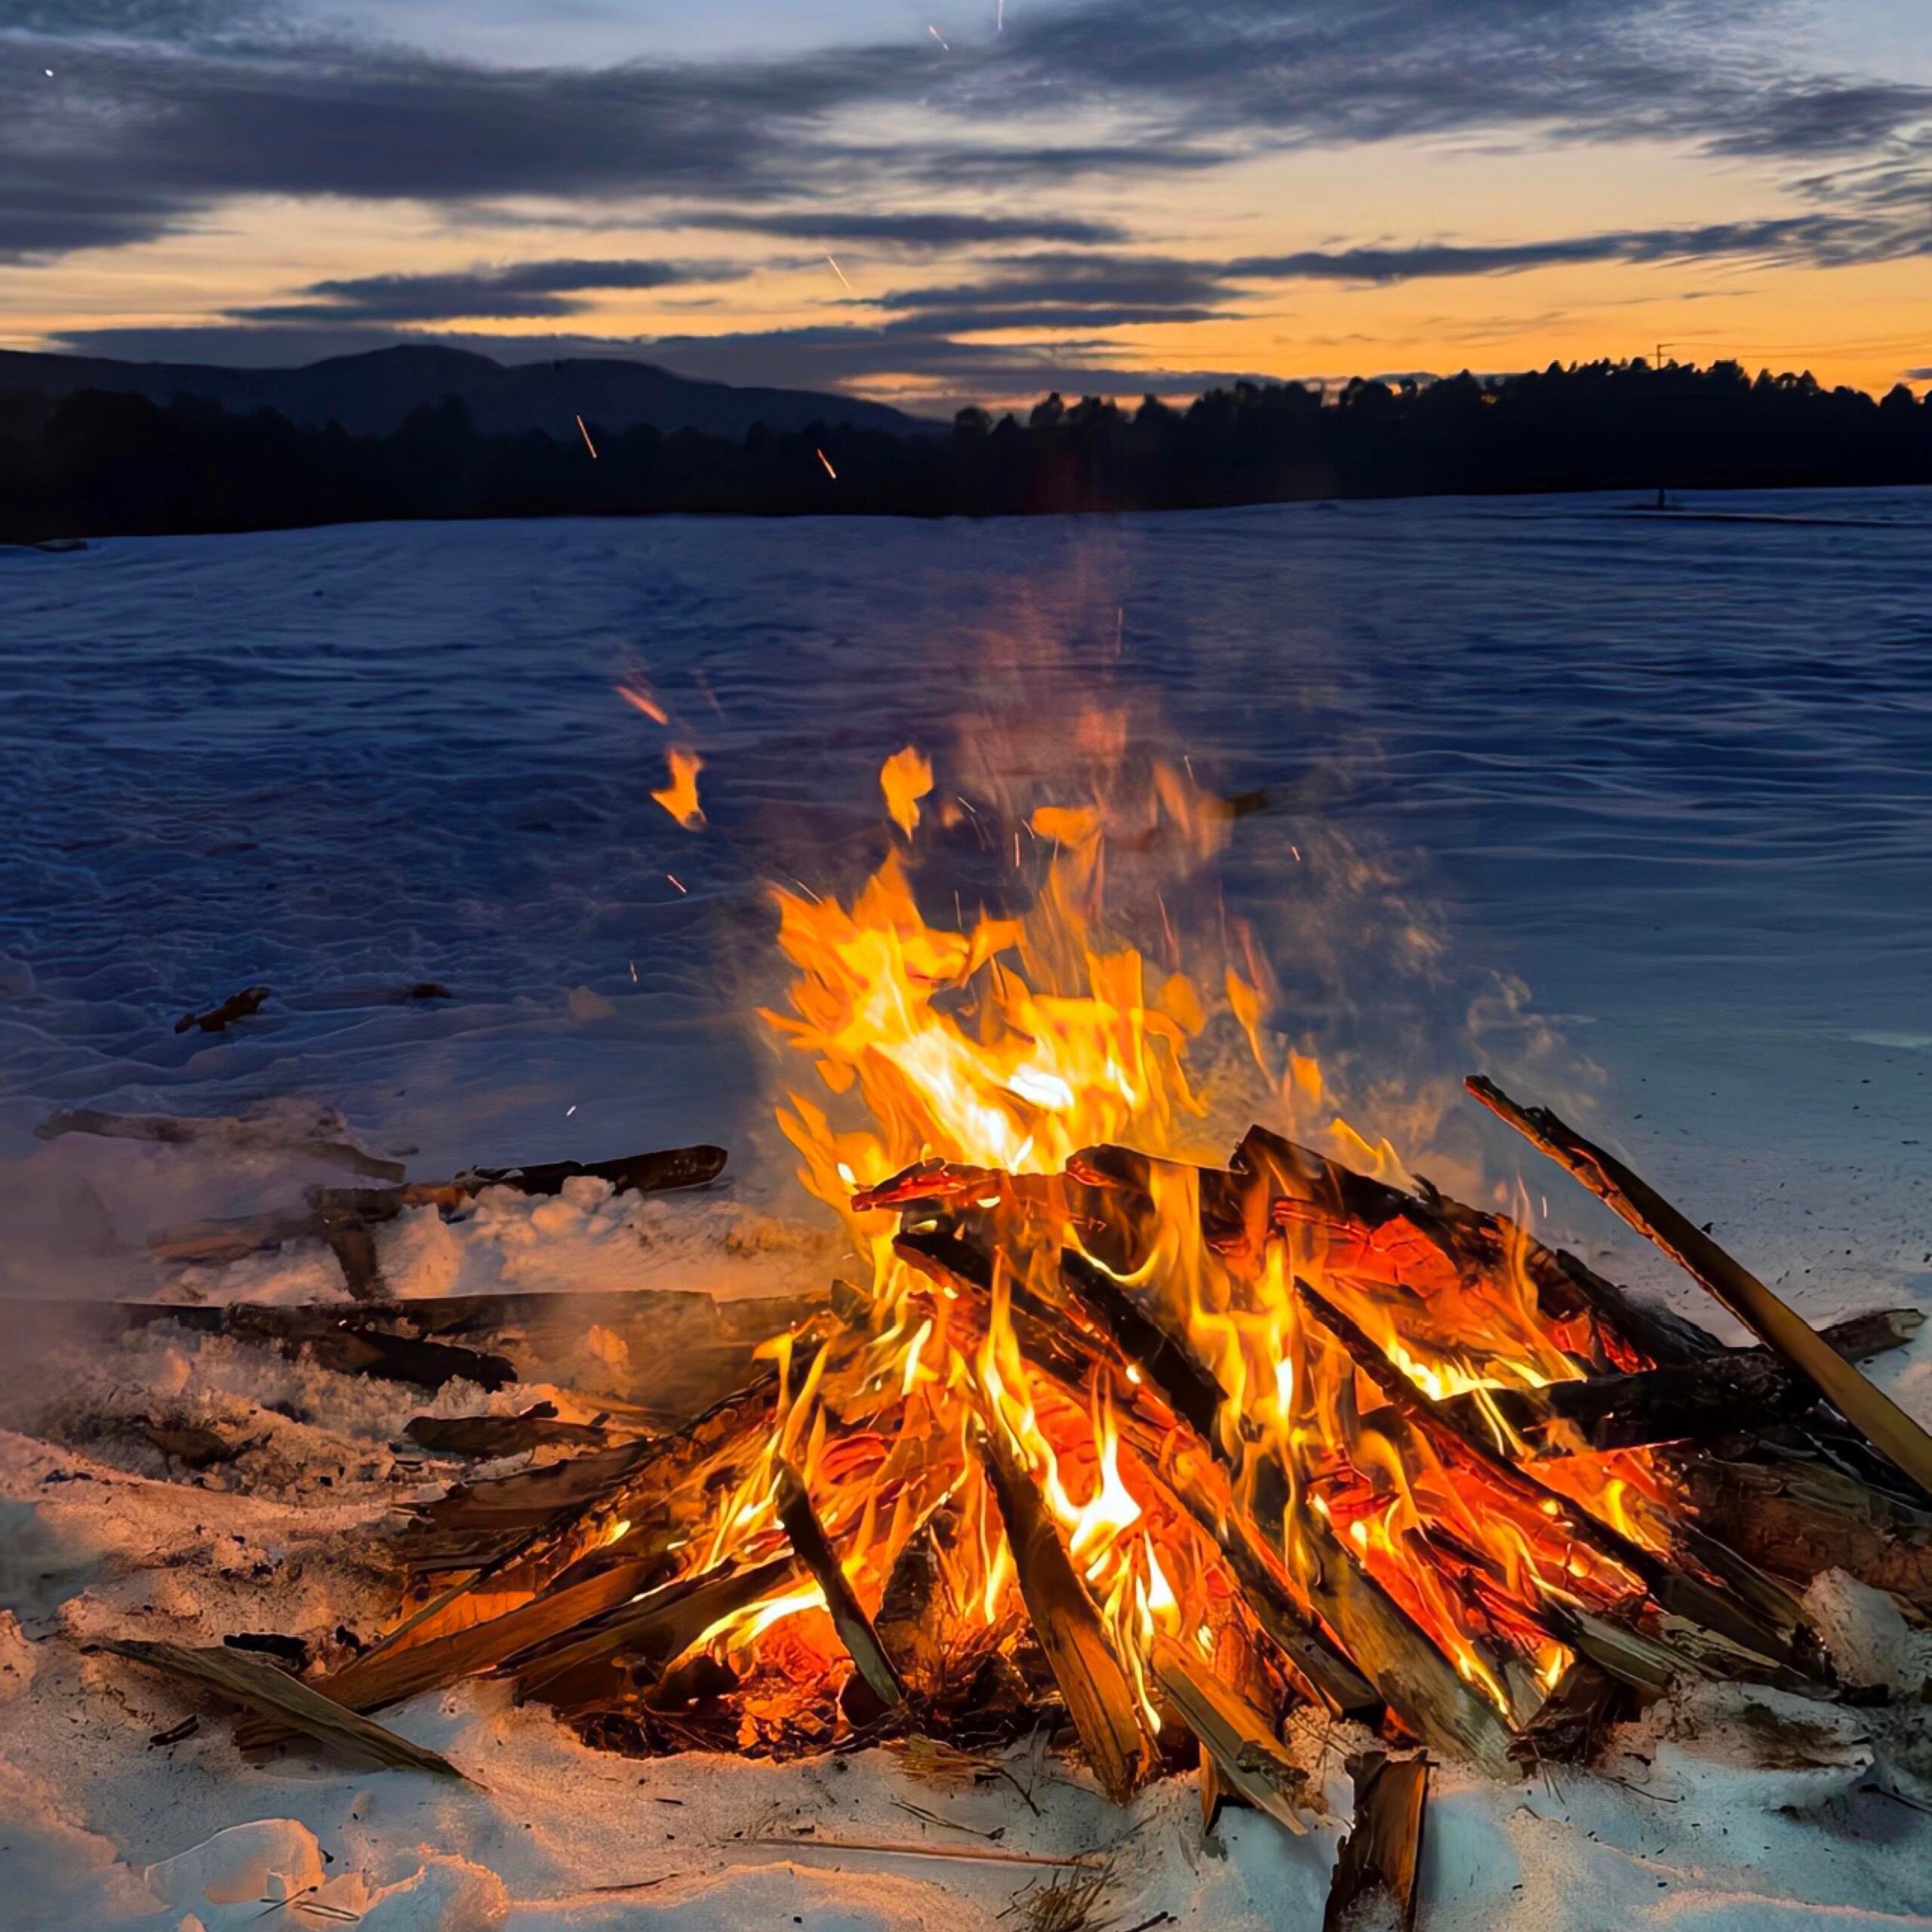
pixel 1383 1847
pixel 536 1428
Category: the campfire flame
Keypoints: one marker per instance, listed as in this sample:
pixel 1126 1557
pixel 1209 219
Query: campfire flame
pixel 1022 1081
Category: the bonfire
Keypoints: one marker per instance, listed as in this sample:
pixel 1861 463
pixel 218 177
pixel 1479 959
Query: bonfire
pixel 1182 1456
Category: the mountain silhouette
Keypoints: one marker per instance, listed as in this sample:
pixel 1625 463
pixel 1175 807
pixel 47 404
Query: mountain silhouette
pixel 373 393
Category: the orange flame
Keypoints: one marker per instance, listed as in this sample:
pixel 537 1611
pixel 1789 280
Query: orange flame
pixel 679 798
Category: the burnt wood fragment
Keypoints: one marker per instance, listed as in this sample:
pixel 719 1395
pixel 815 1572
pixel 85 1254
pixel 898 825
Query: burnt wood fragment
pixel 1383 1848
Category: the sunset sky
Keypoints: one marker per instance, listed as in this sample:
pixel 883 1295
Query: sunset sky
pixel 1111 195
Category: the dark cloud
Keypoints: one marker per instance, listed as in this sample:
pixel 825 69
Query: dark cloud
pixel 162 20
pixel 913 229
pixel 137 138
pixel 1154 282
pixel 1821 240
pixel 521 291
pixel 132 141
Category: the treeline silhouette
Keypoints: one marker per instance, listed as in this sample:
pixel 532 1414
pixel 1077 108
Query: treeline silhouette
pixel 96 462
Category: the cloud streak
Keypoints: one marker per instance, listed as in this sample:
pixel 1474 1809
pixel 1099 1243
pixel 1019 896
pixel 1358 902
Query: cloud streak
pixel 521 291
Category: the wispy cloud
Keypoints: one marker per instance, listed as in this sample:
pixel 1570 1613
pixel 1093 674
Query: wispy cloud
pixel 520 290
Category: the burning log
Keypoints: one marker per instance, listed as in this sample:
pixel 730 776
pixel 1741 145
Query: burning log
pixel 1099 1699
pixel 855 1629
pixel 1049 1342
pixel 1365 1224
pixel 1382 1849
pixel 1735 1391
pixel 1243 1748
pixel 1382 1644
pixel 1884 1423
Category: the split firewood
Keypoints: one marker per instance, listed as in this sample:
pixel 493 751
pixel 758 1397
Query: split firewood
pixel 1573 1720
pixel 1244 1750
pixel 1099 1700
pixel 1886 1425
pixel 216 1019
pixel 848 1615
pixel 1053 1344
pixel 1383 1848
pixel 273 1693
pixel 1377 1638
pixel 1420 1684
pixel 270 1130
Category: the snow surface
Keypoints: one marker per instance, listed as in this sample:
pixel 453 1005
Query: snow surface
pixel 1635 811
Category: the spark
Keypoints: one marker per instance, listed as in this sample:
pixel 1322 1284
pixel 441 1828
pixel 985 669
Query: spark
pixel 938 36
pixel 48 72
pixel 633 966
pixel 827 461
pixel 641 700
pixel 999 18
pixel 675 881
pixel 569 1110
pixel 710 696
pixel 587 443
pixel 1297 851
pixel 837 270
